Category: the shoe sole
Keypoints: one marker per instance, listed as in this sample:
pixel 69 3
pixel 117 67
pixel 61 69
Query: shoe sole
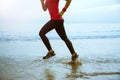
pixel 49 56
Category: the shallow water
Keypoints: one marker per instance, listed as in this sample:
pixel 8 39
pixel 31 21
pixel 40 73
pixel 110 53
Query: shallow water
pixel 57 69
pixel 98 59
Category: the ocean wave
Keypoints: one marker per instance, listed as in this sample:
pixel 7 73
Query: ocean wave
pixel 32 37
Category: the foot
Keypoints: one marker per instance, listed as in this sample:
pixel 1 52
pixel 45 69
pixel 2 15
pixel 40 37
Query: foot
pixel 49 54
pixel 74 57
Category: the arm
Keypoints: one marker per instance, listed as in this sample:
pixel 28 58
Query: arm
pixel 67 3
pixel 44 6
pixel 65 7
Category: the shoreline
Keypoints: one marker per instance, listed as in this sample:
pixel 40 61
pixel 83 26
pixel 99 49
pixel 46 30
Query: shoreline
pixel 22 60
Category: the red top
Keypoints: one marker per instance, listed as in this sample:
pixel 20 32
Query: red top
pixel 53 9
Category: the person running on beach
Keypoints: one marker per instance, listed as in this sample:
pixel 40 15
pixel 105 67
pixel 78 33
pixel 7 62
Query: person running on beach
pixel 57 23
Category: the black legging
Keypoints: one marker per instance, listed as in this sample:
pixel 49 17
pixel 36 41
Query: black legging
pixel 59 27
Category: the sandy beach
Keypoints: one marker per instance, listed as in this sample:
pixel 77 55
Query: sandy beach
pixel 99 59
pixel 93 27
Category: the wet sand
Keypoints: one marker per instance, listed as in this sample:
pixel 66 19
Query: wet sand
pixel 99 59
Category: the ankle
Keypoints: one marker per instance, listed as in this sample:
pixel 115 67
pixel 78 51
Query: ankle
pixel 50 51
pixel 73 54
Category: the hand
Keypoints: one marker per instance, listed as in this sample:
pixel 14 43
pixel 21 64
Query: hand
pixel 61 13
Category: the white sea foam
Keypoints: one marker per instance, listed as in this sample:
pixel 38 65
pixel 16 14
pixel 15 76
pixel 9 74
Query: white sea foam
pixel 74 31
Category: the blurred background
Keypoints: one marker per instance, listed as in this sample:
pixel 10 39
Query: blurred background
pixel 84 19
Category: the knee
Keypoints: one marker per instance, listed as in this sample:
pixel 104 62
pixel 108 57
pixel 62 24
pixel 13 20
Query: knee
pixel 41 34
pixel 65 39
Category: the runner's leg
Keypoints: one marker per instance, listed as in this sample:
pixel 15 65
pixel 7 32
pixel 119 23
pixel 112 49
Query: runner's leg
pixel 61 31
pixel 45 29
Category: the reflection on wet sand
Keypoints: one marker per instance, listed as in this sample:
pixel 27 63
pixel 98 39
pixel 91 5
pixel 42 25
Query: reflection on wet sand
pixel 74 70
pixel 102 73
pixel 56 69
pixel 75 74
pixel 74 66
pixel 49 74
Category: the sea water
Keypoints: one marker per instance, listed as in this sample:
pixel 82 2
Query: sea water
pixel 98 46
pixel 74 31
